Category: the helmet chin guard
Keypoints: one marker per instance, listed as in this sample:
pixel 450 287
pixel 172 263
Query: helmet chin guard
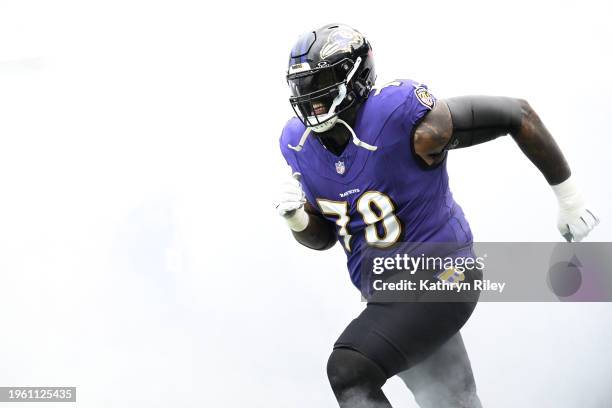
pixel 324 127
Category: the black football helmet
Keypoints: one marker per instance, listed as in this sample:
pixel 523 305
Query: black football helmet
pixel 330 70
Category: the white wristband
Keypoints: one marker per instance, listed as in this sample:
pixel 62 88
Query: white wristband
pixel 298 221
pixel 568 195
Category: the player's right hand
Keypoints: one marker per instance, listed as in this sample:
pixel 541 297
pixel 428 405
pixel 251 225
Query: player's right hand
pixel 291 196
pixel 290 204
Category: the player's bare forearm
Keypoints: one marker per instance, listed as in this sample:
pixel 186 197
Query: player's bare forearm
pixel 470 120
pixel 320 234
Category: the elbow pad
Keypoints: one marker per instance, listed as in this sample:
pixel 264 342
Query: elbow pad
pixel 478 119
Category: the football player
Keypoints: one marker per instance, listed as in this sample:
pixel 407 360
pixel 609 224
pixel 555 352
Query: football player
pixel 369 171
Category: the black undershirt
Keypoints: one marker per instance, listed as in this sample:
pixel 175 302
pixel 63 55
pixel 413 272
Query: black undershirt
pixel 337 138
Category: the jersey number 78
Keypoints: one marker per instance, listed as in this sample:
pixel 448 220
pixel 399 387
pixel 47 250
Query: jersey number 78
pixel 376 209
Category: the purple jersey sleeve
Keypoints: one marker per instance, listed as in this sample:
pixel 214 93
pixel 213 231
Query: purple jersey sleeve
pixel 418 101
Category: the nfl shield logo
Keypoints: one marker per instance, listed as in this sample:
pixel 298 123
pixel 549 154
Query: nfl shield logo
pixel 340 169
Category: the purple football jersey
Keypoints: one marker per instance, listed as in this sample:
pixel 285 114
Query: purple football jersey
pixel 379 197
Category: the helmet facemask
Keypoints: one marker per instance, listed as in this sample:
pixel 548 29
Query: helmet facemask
pixel 319 95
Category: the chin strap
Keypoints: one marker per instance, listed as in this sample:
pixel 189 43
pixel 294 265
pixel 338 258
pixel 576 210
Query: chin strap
pixel 354 138
pixel 302 140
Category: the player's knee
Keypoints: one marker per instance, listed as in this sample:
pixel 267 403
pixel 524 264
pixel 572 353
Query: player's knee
pixel 350 370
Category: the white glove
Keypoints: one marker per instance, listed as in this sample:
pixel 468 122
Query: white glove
pixel 575 221
pixel 290 203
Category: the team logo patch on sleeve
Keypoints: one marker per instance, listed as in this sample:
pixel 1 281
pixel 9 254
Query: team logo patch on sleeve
pixel 425 97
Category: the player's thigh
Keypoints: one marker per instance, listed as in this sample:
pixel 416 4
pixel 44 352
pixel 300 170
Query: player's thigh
pixel 444 379
pixel 397 336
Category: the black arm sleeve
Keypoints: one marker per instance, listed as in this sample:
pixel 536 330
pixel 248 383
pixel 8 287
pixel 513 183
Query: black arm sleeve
pixel 478 119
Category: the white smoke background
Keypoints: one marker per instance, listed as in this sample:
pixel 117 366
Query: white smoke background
pixel 360 399
pixel 140 256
